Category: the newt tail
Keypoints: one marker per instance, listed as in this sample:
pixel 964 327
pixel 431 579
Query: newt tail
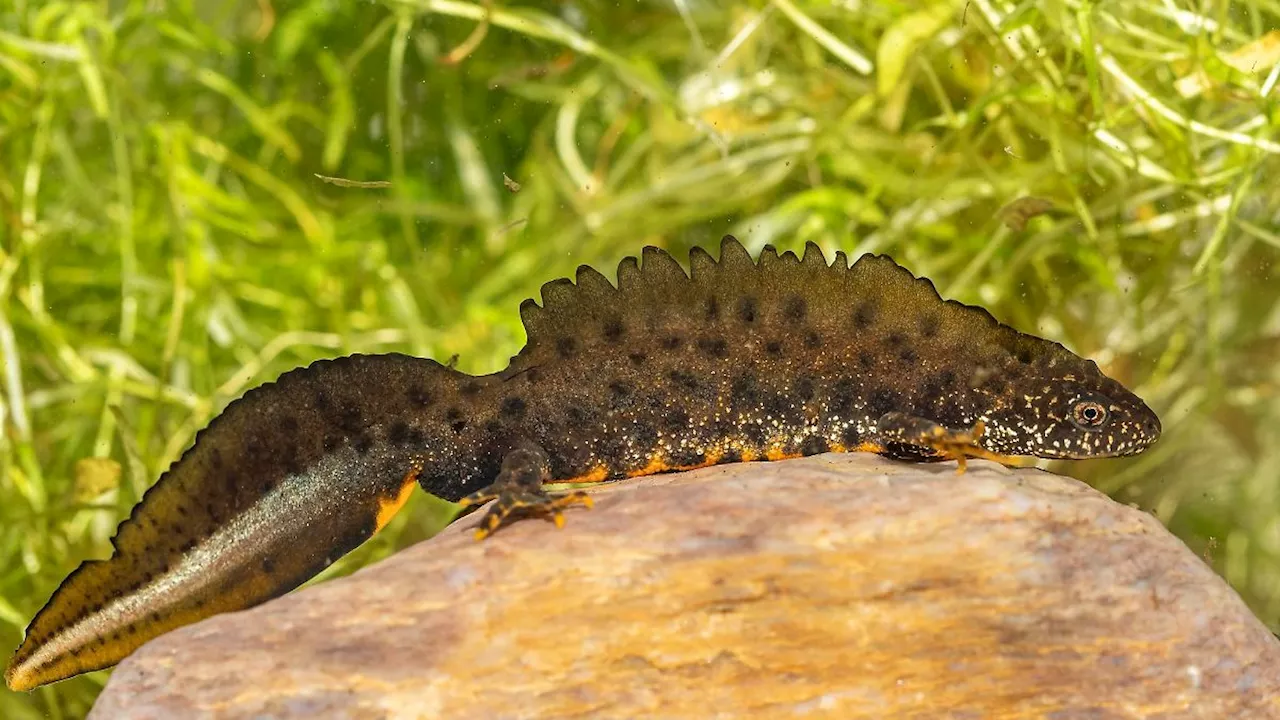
pixel 733 360
pixel 284 482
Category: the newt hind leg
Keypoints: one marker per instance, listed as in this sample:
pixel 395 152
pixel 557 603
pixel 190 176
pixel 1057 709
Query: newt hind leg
pixel 517 491
pixel 909 437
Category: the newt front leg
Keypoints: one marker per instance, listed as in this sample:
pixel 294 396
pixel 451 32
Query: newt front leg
pixel 517 491
pixel 935 440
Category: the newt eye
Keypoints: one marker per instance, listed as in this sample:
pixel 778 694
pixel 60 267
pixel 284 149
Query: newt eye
pixel 1088 415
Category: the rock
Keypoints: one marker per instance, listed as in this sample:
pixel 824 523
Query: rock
pixel 840 586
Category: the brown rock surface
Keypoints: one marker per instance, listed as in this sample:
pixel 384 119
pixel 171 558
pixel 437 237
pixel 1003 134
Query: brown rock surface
pixel 834 586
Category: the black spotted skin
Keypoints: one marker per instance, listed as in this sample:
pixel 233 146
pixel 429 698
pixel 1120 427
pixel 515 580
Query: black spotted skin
pixel 735 360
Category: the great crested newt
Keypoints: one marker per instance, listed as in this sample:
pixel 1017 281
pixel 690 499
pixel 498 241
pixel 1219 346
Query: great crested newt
pixel 733 361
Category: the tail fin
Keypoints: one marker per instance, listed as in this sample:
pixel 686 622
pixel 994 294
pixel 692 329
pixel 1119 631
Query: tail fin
pixel 288 479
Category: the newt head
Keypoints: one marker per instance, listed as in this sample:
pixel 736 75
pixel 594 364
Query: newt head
pixel 1077 415
pixel 1033 396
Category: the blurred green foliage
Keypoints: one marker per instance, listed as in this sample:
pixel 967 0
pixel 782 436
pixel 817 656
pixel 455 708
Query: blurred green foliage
pixel 167 239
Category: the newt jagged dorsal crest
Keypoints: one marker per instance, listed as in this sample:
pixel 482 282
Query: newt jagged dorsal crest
pixel 733 360
pixel 1037 398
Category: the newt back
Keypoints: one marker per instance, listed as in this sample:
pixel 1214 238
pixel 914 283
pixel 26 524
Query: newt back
pixel 790 356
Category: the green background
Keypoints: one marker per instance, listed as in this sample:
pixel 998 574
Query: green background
pixel 166 244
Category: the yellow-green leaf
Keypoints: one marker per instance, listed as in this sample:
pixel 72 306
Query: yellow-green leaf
pixel 903 38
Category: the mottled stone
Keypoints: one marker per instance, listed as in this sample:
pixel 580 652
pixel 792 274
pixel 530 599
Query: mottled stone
pixel 841 586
